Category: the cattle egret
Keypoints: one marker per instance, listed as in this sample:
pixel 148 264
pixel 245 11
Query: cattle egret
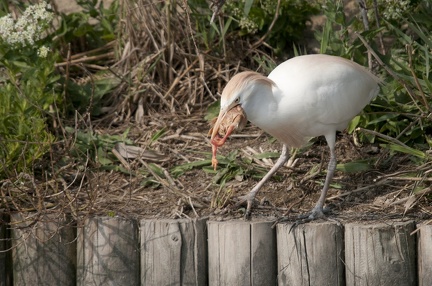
pixel 304 97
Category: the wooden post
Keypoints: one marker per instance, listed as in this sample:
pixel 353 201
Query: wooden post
pixel 380 254
pixel 43 250
pixel 108 252
pixel 173 252
pixel 310 254
pixel 425 255
pixel 4 246
pixel 242 253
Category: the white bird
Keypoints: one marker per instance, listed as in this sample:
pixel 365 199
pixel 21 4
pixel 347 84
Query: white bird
pixel 304 97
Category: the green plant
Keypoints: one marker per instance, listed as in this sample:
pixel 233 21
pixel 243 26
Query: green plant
pixel 256 18
pixel 96 147
pixel 90 28
pixel 211 35
pixel 87 36
pixel 252 19
pixel 89 95
pixel 400 116
pixel 27 88
pixel 229 167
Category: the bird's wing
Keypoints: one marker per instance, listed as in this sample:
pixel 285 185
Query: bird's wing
pixel 320 94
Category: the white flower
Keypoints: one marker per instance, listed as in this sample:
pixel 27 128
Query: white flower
pixel 28 28
pixel 248 25
pixel 6 24
pixel 43 52
pixel 395 8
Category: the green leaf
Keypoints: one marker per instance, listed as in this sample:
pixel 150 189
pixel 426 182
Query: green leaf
pixel 383 118
pixel 212 111
pixel 156 169
pixel 247 7
pixel 181 169
pixel 267 155
pixel 158 135
pixel 353 124
pixel 325 36
pixel 407 150
pixel 22 65
pixel 226 27
pixel 421 34
pixel 354 167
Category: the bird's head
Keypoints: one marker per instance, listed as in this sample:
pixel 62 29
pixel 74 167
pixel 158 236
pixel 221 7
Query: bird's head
pixel 236 94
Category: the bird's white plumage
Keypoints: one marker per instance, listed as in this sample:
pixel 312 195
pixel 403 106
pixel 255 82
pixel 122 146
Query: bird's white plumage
pixel 313 95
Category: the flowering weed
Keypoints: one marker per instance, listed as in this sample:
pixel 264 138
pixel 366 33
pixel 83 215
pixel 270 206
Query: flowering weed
pixel 28 28
pixel 27 79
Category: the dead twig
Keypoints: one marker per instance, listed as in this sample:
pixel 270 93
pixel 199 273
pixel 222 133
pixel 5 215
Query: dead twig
pixel 388 138
pixel 261 40
pixel 393 74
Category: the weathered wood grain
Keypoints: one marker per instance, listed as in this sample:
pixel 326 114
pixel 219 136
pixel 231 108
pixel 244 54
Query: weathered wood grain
pixel 43 251
pixel 241 253
pixel 4 246
pixel 380 254
pixel 311 254
pixel 173 252
pixel 263 254
pixel 425 255
pixel 108 252
pixel 229 253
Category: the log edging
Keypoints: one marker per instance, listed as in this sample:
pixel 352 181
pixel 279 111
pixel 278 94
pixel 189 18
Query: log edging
pixel 117 251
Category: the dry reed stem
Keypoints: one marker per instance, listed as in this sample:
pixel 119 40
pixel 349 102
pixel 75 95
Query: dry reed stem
pixel 159 47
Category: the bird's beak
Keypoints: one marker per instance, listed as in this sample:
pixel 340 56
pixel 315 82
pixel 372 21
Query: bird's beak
pixel 229 119
pixel 216 126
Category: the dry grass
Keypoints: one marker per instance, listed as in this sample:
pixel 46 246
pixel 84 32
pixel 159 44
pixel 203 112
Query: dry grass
pixel 162 58
pixel 393 188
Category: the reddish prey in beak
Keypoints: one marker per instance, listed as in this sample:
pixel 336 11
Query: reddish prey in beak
pixel 225 124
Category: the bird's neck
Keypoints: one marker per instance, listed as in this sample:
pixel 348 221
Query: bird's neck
pixel 261 104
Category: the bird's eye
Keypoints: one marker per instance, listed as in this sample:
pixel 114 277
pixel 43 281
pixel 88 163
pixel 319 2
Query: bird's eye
pixel 237 100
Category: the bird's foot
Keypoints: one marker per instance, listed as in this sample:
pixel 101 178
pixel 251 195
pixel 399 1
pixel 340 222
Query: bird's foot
pixel 316 213
pixel 246 199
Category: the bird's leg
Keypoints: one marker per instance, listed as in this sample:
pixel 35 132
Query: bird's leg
pixel 249 198
pixel 318 211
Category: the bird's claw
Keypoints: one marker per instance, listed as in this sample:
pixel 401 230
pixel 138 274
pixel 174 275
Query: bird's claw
pixel 316 213
pixel 248 199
